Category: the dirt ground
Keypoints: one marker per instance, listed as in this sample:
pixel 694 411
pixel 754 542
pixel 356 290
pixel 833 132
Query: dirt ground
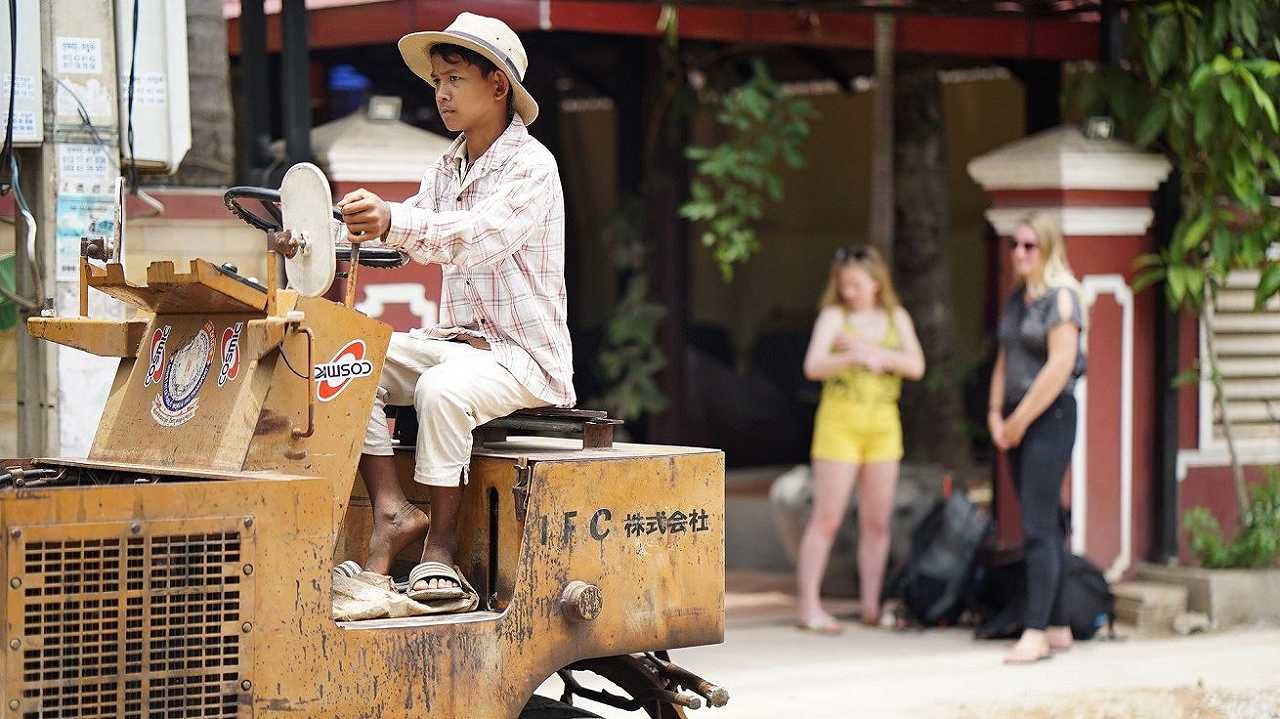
pixel 773 671
pixel 1196 702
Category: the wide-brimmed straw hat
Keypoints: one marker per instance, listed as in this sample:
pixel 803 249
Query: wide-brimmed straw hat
pixel 488 36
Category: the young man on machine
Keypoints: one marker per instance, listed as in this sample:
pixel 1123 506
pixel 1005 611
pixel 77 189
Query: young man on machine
pixel 491 213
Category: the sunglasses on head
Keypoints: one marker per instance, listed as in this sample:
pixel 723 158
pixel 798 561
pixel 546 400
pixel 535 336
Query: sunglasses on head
pixel 857 254
pixel 1026 246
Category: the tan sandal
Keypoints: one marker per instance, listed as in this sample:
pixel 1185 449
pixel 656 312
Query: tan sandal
pixel 435 570
pixel 830 629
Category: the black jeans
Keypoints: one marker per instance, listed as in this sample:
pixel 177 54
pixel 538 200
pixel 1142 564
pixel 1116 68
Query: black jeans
pixel 1039 465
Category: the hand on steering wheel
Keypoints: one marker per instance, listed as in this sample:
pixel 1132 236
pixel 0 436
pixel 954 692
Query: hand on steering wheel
pixel 270 219
pixel 366 215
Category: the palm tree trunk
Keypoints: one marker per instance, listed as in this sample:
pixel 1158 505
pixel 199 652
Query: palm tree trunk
pixel 933 410
pixel 880 221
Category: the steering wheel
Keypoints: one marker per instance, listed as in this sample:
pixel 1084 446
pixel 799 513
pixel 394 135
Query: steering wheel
pixel 270 219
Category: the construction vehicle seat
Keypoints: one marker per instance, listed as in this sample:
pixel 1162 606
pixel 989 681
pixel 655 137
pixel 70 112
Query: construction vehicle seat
pixel 595 427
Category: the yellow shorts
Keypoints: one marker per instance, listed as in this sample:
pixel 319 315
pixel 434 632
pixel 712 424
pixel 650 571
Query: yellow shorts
pixel 857 433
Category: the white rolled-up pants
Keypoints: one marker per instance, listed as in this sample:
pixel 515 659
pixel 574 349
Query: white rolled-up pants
pixel 455 388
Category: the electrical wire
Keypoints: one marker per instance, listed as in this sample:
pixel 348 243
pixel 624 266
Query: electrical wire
pixel 15 173
pixel 290 365
pixel 19 299
pixel 13 76
pixel 83 112
pixel 133 66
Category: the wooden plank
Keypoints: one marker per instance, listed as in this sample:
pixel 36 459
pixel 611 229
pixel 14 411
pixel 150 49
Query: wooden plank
pixel 1241 300
pixel 565 412
pixel 597 435
pixel 203 288
pixel 1254 433
pixel 1268 388
pixel 1250 345
pixel 539 449
pixel 1224 323
pixel 1248 411
pixel 537 424
pixel 104 338
pixel 1250 367
pixel 111 281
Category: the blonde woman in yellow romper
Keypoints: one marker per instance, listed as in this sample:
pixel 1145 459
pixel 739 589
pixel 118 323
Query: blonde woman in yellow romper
pixel 863 345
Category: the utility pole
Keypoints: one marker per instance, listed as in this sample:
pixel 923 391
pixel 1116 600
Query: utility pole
pixel 69 182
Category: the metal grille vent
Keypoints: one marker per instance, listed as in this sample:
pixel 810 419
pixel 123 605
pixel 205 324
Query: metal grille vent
pixel 139 625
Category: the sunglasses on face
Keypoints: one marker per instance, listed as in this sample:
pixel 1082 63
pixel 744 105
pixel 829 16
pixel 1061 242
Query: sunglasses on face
pixel 857 254
pixel 1014 245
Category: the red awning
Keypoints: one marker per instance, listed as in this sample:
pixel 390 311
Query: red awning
pixel 346 23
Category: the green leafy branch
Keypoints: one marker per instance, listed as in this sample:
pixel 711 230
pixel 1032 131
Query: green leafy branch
pixel 1257 543
pixel 732 180
pixel 631 357
pixel 1202 82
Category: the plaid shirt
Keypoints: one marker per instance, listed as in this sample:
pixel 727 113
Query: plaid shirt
pixel 497 229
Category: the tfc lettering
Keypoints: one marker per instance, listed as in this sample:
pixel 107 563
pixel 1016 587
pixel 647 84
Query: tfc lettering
pixel 635 525
pixel 344 370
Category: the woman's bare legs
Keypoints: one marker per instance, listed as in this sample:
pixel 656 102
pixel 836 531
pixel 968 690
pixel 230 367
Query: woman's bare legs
pixel 875 511
pixel 832 485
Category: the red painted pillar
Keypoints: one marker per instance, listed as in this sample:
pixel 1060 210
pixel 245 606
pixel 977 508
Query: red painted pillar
pixel 1101 193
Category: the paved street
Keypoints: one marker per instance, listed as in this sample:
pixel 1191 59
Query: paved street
pixel 775 671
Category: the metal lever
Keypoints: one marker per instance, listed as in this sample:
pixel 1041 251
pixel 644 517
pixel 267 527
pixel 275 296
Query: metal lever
pixel 351 274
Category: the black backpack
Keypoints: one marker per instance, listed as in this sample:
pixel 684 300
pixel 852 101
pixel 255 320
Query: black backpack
pixel 1000 598
pixel 935 580
pixel 1087 601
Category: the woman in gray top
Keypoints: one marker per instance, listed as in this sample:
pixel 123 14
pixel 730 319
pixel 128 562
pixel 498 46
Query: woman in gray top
pixel 1032 416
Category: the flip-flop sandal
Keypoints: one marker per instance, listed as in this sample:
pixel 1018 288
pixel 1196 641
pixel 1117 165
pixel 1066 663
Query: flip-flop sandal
pixel 348 568
pixel 434 570
pixel 829 629
pixel 352 570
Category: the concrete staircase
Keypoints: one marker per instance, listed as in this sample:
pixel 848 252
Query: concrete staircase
pixel 1149 607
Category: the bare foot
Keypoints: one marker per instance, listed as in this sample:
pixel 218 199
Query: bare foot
pixel 1060 639
pixel 1032 647
pixel 392 532
pixel 433 553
